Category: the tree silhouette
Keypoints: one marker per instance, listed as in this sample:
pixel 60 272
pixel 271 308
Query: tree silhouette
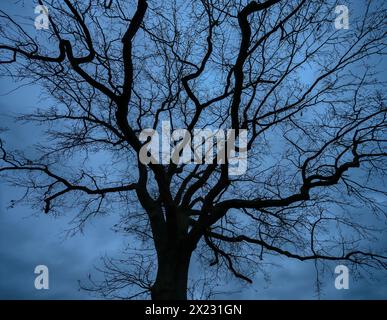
pixel 309 95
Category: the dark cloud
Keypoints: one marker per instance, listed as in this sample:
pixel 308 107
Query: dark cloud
pixel 27 241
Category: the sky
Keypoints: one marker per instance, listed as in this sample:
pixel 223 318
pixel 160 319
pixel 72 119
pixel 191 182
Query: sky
pixel 29 238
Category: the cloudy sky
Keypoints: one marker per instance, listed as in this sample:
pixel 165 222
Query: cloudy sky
pixel 29 238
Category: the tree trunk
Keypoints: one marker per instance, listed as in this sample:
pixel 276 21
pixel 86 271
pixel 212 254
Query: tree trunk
pixel 172 275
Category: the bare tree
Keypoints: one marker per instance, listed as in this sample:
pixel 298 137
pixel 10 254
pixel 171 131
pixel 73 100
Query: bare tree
pixel 309 95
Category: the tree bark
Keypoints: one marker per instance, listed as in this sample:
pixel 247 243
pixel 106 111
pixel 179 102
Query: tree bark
pixel 172 274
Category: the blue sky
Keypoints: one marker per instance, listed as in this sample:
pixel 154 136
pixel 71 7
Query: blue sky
pixel 29 237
